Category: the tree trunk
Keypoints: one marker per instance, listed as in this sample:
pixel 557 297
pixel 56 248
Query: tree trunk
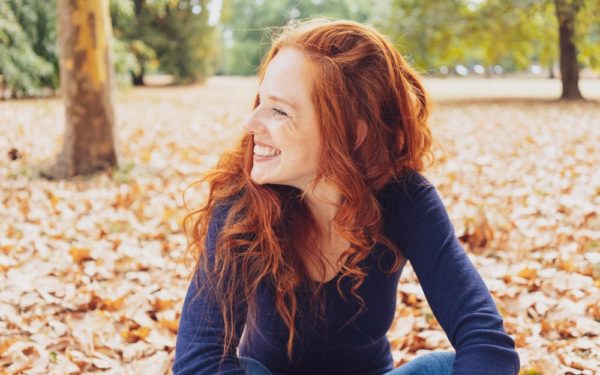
pixel 138 79
pixel 86 85
pixel 569 67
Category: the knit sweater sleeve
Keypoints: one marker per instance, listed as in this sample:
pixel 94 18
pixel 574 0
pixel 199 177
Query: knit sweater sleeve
pixel 454 289
pixel 201 332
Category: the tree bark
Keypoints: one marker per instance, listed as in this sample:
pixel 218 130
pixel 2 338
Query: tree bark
pixel 86 85
pixel 569 67
pixel 138 79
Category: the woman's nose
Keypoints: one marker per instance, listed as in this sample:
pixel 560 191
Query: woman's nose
pixel 252 124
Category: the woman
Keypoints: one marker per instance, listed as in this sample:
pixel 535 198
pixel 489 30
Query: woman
pixel 311 219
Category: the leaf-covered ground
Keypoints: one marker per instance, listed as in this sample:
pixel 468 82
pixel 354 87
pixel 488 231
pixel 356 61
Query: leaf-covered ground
pixel 91 270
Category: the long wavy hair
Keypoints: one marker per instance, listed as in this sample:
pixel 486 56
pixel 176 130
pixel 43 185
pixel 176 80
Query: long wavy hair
pixel 357 74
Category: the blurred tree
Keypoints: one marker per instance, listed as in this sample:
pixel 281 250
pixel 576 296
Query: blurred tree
pixel 435 33
pixel 429 33
pixel 28 51
pixel 86 84
pixel 176 33
pixel 566 14
pixel 587 33
pixel 499 31
pixel 245 24
pixel 129 28
pixel 545 31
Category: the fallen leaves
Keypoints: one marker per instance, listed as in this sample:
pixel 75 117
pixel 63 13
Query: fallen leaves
pixel 91 272
pixel 478 232
pixel 521 185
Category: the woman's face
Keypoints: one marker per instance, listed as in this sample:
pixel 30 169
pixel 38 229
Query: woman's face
pixel 284 124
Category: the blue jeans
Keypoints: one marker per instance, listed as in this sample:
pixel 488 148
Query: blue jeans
pixel 434 363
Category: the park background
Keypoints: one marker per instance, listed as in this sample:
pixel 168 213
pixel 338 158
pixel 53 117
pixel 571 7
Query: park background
pixel 92 177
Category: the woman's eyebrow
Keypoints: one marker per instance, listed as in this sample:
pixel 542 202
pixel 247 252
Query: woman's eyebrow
pixel 281 99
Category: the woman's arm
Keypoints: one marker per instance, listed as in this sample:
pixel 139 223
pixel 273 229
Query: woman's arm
pixel 201 329
pixel 454 289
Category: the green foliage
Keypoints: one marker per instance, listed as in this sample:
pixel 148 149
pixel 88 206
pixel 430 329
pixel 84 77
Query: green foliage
pixel 513 33
pixel 175 35
pixel 520 31
pixel 587 31
pixel 28 54
pixel 124 61
pixel 29 48
pixel 246 23
pixel 428 33
pixel 185 45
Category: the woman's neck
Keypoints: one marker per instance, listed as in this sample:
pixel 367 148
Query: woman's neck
pixel 323 202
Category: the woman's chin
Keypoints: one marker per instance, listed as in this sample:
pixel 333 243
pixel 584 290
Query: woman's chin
pixel 260 178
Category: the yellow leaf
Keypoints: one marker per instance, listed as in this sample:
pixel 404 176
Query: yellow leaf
pixel 528 273
pixel 5 249
pixel 567 265
pixel 80 254
pixel 172 325
pixel 135 335
pixel 112 304
pixel 412 300
pixel 168 213
pixel 53 199
pixel 4 345
pixel 520 341
pixel 161 304
pixel 146 155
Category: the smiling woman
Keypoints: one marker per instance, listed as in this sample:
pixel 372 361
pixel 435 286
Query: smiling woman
pixel 321 200
pixel 284 124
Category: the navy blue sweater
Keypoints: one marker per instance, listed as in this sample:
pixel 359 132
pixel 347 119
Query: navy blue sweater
pixel 416 220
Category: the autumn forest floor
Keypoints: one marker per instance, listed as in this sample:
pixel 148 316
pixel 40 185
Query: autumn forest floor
pixel 91 271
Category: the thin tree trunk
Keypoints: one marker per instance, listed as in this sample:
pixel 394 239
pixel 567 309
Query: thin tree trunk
pixel 86 85
pixel 138 79
pixel 569 67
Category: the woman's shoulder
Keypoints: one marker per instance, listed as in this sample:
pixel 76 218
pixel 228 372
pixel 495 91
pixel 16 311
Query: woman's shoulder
pixel 405 189
pixel 410 201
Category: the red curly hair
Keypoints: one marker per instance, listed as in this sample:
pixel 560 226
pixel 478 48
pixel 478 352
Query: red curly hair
pixel 269 226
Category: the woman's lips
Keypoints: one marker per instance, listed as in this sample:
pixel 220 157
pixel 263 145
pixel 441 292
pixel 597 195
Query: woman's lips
pixel 265 158
pixel 264 144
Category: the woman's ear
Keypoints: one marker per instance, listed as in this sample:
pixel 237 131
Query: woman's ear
pixel 361 133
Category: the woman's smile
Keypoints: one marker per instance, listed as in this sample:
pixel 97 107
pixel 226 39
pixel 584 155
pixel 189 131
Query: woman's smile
pixel 259 158
pixel 263 152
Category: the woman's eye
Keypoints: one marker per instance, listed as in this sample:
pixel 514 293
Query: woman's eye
pixel 279 112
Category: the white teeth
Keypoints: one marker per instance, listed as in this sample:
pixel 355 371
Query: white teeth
pixel 265 151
